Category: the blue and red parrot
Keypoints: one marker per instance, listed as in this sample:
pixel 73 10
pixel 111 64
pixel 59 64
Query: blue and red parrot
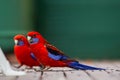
pixel 23 52
pixel 50 56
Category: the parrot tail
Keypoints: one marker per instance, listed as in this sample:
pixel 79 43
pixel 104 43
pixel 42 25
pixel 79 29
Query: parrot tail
pixel 77 65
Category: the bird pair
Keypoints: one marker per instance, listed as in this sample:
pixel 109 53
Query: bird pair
pixel 37 51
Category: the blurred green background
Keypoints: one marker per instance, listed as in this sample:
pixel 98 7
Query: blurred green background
pixel 85 29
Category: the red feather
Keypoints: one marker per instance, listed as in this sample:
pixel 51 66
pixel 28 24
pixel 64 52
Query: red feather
pixel 22 53
pixel 49 55
pixel 40 50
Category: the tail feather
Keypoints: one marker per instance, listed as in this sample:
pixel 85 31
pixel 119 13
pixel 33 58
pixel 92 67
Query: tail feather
pixel 77 65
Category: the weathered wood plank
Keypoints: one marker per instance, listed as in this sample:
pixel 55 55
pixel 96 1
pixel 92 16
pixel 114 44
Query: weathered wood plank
pixel 78 75
pixel 113 73
pixel 30 76
pixel 98 75
pixel 113 70
pixel 3 77
pixel 52 76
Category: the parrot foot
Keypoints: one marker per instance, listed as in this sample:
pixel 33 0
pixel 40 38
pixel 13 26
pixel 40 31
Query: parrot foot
pixel 18 66
pixel 42 69
pixel 46 68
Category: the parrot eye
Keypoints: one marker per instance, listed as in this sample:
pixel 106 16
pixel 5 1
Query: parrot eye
pixel 20 39
pixel 34 35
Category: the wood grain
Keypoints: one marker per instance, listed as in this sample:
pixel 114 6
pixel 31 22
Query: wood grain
pixel 112 73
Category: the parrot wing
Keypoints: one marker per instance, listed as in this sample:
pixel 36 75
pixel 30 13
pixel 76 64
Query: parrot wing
pixel 55 53
pixel 33 56
pixel 51 47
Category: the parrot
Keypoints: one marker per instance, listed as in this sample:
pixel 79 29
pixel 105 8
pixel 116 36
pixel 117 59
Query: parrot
pixel 23 52
pixel 51 56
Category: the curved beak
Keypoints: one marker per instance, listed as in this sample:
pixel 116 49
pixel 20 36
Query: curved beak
pixel 16 42
pixel 29 38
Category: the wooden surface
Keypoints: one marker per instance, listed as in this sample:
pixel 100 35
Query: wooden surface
pixel 112 73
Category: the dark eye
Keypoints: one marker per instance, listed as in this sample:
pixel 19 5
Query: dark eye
pixel 34 35
pixel 20 39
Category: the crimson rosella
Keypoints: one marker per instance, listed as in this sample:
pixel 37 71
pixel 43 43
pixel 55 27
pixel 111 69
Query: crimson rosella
pixel 49 55
pixel 23 53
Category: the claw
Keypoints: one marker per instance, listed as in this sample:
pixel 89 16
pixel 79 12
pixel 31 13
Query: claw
pixel 42 67
pixel 18 66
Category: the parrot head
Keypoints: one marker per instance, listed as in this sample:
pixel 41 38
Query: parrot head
pixel 20 40
pixel 35 37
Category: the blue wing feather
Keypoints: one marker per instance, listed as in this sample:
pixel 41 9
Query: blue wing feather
pixel 55 53
pixel 77 65
pixel 57 57
pixel 33 56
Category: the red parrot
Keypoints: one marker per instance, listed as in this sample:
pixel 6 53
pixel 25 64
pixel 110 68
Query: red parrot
pixel 49 55
pixel 23 52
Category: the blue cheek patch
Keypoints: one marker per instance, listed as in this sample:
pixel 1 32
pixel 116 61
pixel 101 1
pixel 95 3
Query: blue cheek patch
pixel 35 40
pixel 20 43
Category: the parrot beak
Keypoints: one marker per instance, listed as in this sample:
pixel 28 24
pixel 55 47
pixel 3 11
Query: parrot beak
pixel 16 42
pixel 29 38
